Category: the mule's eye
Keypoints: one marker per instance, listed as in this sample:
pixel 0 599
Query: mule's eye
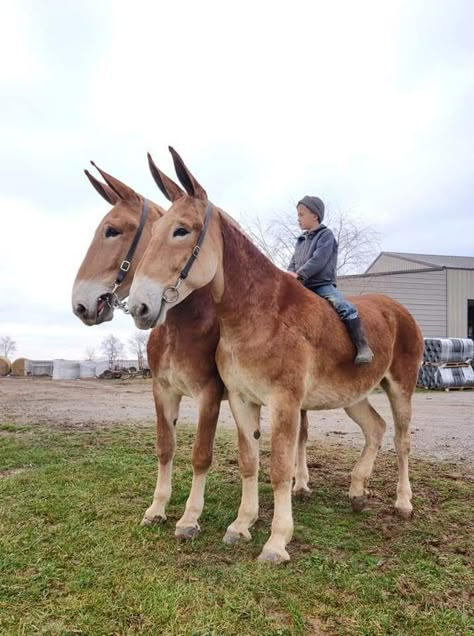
pixel 180 231
pixel 111 231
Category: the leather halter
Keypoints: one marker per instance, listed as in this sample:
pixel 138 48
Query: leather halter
pixel 127 261
pixel 171 293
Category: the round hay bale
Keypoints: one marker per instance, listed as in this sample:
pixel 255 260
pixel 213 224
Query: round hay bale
pixel 5 366
pixel 19 366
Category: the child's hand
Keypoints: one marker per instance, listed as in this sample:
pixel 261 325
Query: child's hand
pixel 293 274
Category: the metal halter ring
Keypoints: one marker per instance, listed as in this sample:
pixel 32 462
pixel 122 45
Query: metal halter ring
pixel 114 302
pixel 171 293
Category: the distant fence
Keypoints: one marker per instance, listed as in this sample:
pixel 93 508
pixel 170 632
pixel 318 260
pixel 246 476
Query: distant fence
pixel 61 369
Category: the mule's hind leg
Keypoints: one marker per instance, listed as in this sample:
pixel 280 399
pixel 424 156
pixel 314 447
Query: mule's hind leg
pixel 400 402
pixel 301 487
pixel 167 407
pixel 247 418
pixel 209 404
pixel 373 426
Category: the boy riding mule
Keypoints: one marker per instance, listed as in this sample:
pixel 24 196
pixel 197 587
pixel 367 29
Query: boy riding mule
pixel 280 345
pixel 314 264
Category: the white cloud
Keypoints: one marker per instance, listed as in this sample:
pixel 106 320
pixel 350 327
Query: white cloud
pixel 358 102
pixel 43 253
pixel 18 62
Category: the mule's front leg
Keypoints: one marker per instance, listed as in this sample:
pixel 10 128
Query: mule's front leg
pixel 284 417
pixel 209 404
pixel 167 407
pixel 247 418
pixel 301 487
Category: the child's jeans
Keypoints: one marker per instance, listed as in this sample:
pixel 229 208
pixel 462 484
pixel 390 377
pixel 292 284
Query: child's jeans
pixel 344 308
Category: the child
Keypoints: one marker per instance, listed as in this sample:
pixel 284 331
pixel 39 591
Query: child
pixel 314 264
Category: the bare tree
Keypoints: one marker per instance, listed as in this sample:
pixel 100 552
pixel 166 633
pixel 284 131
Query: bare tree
pixel 7 346
pixel 112 347
pixel 358 242
pixel 90 353
pixel 137 345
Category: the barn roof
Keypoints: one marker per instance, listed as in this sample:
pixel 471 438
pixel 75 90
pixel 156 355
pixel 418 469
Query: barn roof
pixel 430 260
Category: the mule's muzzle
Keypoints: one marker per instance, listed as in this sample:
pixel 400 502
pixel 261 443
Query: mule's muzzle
pixel 102 312
pixel 143 316
pixel 80 311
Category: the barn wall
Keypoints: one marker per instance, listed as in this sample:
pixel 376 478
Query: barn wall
pixel 424 294
pixel 460 290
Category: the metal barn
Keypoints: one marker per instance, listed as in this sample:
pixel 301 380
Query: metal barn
pixel 437 290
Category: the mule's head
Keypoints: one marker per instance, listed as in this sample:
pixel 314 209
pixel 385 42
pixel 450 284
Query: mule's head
pixel 95 280
pixel 168 273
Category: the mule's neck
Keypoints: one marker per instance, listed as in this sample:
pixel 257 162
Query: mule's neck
pixel 246 280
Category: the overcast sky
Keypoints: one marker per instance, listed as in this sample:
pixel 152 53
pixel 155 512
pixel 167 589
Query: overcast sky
pixel 366 104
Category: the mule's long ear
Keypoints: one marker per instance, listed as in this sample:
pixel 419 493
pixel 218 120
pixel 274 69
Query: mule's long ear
pixel 170 189
pixel 192 187
pixel 123 191
pixel 103 189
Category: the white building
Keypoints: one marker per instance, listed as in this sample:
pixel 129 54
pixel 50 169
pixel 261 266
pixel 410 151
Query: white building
pixel 437 290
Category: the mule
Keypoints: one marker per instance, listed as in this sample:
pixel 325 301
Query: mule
pixel 280 345
pixel 181 354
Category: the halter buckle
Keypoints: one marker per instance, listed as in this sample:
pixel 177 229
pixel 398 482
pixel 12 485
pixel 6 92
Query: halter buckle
pixel 125 266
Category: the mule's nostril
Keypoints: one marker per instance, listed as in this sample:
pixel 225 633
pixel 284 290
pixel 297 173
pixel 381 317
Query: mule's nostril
pixel 80 310
pixel 142 310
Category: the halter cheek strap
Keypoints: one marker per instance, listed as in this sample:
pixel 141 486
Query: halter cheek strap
pixel 127 261
pixel 171 293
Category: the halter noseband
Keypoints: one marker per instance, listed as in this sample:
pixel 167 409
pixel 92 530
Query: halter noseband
pixel 171 293
pixel 127 262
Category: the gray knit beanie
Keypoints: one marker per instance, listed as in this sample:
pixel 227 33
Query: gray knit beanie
pixel 315 205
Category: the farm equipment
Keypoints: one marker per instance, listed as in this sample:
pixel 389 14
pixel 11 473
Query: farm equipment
pixel 125 373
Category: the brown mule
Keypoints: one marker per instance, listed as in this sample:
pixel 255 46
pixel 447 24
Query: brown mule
pixel 181 354
pixel 281 346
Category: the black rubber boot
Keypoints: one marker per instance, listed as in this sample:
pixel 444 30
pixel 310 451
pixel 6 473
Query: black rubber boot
pixel 357 333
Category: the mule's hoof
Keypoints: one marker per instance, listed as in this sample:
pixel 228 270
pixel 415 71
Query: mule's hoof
pixel 231 537
pixel 187 534
pixel 275 558
pixel 153 521
pixel 404 513
pixel 359 503
pixel 302 493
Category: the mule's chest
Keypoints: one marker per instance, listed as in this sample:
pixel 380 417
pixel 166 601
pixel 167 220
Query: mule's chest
pixel 240 370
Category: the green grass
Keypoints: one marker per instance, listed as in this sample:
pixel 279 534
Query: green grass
pixel 73 559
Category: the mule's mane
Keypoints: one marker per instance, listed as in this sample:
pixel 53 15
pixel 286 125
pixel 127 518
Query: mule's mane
pixel 251 279
pixel 230 219
pixel 236 238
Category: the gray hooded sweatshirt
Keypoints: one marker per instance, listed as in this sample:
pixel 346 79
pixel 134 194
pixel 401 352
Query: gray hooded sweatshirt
pixel 315 258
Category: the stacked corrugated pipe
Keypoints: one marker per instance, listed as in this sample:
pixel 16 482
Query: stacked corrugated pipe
pixel 447 363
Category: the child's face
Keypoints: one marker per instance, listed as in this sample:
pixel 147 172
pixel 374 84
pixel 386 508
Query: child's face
pixel 306 219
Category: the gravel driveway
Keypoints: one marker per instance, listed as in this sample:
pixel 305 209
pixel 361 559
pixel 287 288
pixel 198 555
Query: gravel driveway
pixel 442 425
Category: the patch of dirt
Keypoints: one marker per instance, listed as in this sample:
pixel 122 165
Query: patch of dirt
pixel 11 472
pixel 315 626
pixel 442 423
